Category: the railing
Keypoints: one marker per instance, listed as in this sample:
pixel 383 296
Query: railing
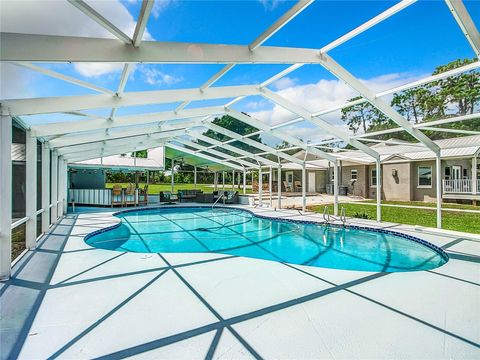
pixel 222 196
pixel 459 186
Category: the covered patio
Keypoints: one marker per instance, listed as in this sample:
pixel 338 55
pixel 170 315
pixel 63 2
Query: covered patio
pixel 63 298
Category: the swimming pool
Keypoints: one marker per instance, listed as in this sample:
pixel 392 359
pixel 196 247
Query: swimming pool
pixel 240 232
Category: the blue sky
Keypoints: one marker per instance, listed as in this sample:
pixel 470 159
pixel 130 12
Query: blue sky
pixel 405 47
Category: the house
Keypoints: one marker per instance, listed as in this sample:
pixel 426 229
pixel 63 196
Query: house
pixel 408 170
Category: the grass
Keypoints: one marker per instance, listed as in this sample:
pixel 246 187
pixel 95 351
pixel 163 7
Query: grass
pixel 466 222
pixel 154 189
pixel 429 204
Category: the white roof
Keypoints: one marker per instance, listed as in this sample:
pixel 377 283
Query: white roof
pixel 465 146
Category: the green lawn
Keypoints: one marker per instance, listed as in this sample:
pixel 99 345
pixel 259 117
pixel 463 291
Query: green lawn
pixel 155 189
pixel 467 222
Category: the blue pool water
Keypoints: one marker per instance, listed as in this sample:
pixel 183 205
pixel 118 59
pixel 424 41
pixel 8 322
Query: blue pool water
pixel 238 232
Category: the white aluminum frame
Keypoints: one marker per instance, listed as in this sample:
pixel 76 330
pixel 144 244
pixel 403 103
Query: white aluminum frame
pixel 94 136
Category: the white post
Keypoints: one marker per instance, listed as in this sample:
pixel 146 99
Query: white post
pixel 45 188
pixel 438 178
pixel 5 197
pixel 379 190
pixel 270 173
pixel 474 174
pixel 223 180
pixel 31 190
pixel 244 182
pixel 233 179
pixel 279 189
pixel 148 177
pixel 304 186
pixel 54 188
pixel 60 187
pixel 195 177
pixel 335 189
pixel 173 175
pixel 260 186
pixel 215 181
pixel 65 187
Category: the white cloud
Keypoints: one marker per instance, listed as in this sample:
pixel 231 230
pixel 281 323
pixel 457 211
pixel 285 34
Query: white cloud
pixel 154 76
pixel 323 95
pixel 269 5
pixel 284 83
pixel 62 18
pixel 159 6
pixel 15 82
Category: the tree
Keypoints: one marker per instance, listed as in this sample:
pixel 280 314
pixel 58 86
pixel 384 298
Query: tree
pixel 140 154
pixel 230 123
pixel 361 116
pixel 460 91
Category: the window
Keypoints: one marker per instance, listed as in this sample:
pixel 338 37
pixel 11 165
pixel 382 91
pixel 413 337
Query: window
pixel 424 176
pixel 373 177
pixel 465 173
pixel 354 175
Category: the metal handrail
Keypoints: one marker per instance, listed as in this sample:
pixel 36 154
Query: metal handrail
pixel 342 218
pixel 222 196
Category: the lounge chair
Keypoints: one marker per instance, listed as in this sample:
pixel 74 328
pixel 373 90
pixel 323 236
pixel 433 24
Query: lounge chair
pixel 188 195
pixel 168 197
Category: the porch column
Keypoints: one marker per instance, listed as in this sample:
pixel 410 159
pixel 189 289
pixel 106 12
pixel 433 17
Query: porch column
pixel 5 197
pixel 260 186
pixel 54 188
pixel 244 182
pixel 379 190
pixel 474 174
pixel 45 188
pixel 30 190
pixel 233 179
pixel 304 186
pixel 335 188
pixel 279 190
pixel 173 175
pixel 438 180
pixel 270 173
pixel 195 177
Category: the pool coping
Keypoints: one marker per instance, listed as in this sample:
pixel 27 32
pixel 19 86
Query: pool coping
pixel 418 240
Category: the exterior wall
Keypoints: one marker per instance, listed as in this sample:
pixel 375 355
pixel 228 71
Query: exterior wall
pixel 87 179
pixel 358 187
pixel 427 194
pixel 320 181
pixel 397 187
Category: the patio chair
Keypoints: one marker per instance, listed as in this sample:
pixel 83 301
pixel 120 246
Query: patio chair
pixel 130 198
pixel 117 195
pixel 143 196
pixel 168 197
pixel 297 186
pixel 288 188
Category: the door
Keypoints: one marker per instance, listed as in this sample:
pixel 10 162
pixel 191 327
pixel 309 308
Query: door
pixel 456 172
pixel 311 181
pixel 456 179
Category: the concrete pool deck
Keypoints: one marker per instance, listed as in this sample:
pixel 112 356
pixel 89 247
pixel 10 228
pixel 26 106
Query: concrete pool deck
pixel 68 300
